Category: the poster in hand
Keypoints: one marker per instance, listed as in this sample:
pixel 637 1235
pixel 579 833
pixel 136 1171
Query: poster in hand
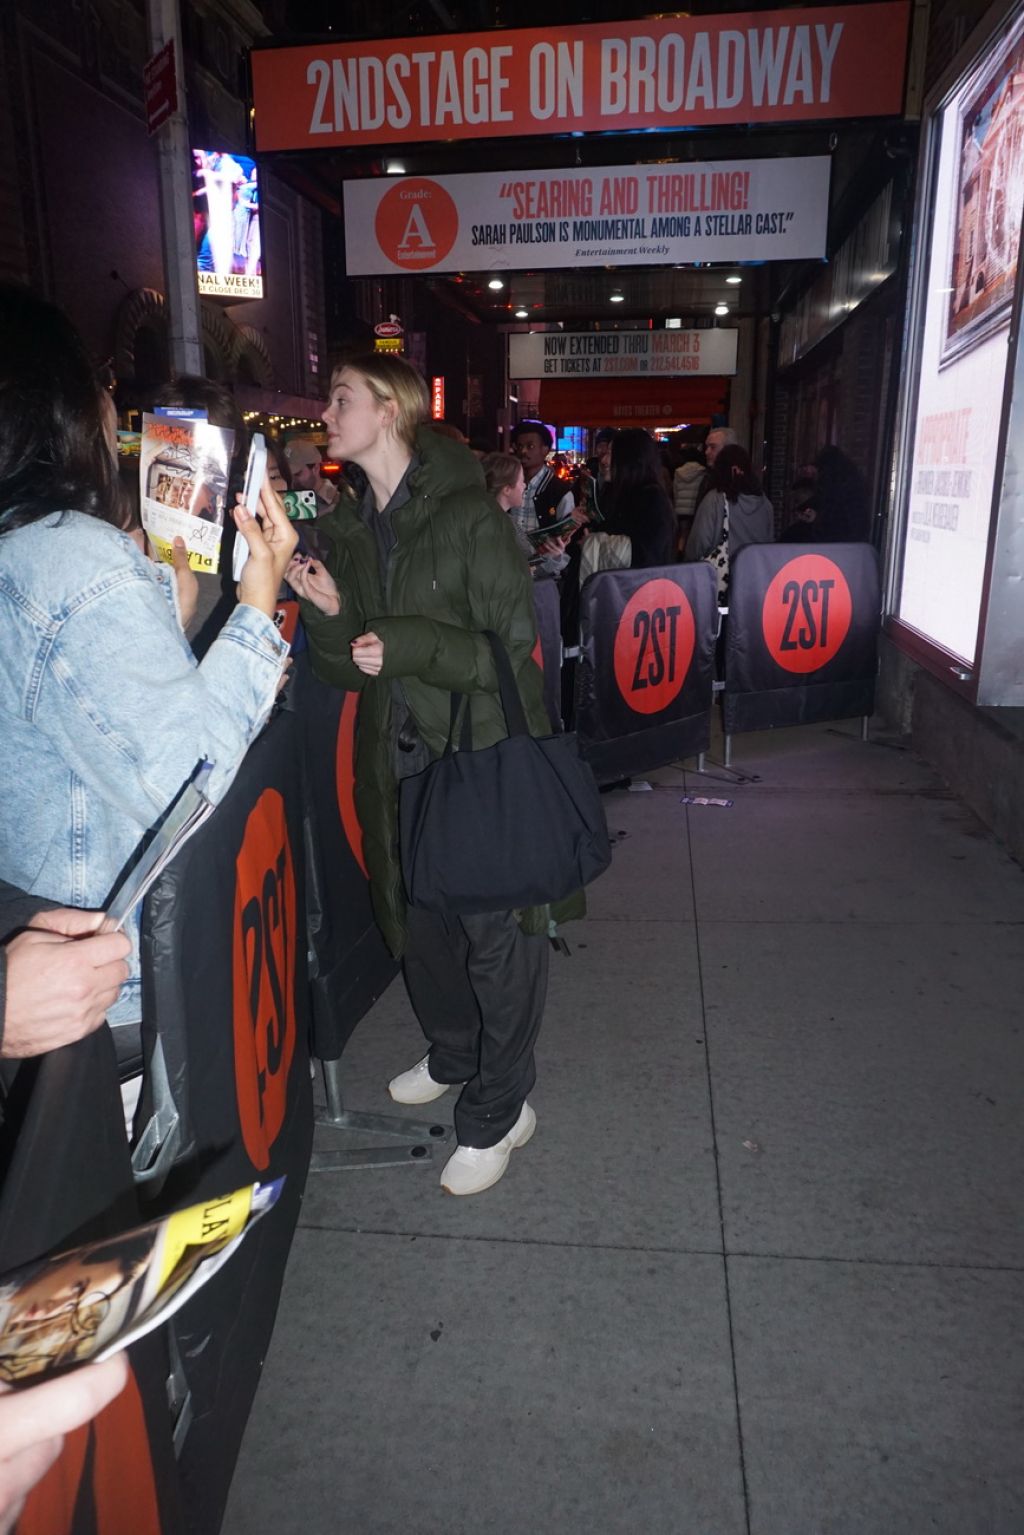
pixel 184 465
pixel 87 1304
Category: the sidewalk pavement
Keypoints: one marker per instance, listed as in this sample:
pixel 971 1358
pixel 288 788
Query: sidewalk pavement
pixel 761 1269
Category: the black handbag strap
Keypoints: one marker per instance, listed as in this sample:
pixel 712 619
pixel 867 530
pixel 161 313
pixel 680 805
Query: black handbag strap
pixel 508 691
pixel 466 738
pixel 511 703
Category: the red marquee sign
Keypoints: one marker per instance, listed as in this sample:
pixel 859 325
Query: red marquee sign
pixel 749 67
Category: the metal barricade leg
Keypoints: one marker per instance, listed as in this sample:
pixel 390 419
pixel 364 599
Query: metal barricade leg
pixel 414 1139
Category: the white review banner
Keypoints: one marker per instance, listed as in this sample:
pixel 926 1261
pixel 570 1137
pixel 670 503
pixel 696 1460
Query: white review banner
pixel 736 210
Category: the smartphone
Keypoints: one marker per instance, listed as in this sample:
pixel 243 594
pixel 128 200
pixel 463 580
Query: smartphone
pixel 255 474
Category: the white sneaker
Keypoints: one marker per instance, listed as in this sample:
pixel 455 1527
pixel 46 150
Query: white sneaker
pixel 417 1085
pixel 471 1169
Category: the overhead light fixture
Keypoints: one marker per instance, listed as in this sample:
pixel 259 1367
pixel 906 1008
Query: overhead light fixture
pixel 674 324
pixel 522 314
pixel 721 309
pixel 733 281
pixel 394 168
pixel 496 284
pixel 618 298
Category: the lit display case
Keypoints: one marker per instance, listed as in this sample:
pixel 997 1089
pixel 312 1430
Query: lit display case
pixel 955 587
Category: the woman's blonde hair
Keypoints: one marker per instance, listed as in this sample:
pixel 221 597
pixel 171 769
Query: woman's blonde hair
pixel 500 471
pixel 393 381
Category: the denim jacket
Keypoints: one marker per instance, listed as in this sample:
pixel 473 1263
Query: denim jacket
pixel 104 711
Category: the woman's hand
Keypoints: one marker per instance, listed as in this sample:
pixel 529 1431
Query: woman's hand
pixel 309 578
pixel 187 582
pixel 272 540
pixel 33 1423
pixel 368 653
pixel 62 977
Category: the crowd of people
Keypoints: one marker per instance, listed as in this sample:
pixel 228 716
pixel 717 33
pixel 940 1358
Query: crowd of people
pixel 119 674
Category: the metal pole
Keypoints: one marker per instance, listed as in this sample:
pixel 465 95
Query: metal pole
pixel 865 722
pixel 407 1141
pixel 727 762
pixel 174 154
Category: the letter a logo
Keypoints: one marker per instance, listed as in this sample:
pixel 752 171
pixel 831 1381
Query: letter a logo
pixel 416 224
pixel 416 242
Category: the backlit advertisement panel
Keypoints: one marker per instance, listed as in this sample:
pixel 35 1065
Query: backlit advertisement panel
pixel 226 224
pixel 969 283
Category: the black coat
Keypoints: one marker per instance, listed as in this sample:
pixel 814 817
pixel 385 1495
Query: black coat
pixel 647 517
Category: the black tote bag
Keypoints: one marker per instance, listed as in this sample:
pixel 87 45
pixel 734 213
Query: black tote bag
pixel 516 824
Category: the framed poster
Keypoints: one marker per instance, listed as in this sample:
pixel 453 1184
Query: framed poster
pixel 949 454
pixel 989 198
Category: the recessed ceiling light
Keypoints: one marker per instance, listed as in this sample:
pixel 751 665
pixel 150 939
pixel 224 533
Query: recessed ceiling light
pixel 522 314
pixel 734 280
pixel 618 298
pixel 394 168
pixel 721 309
pixel 496 283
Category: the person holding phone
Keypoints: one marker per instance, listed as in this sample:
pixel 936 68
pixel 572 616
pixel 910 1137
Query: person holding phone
pixel 104 711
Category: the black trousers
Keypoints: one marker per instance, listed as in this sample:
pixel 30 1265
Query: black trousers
pixel 478 986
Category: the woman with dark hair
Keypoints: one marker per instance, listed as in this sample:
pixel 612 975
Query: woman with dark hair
pixel 104 712
pixel 639 505
pixel 734 512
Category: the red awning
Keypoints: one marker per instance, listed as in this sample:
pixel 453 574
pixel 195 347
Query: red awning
pixel 633 401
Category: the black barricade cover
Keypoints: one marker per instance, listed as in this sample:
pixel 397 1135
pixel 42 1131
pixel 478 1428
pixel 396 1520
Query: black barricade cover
pixel 67 1179
pixel 548 652
pixel 226 988
pixel 802 635
pixel 351 964
pixel 644 682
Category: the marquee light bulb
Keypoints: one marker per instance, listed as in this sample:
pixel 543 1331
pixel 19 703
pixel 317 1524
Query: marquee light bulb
pixel 496 284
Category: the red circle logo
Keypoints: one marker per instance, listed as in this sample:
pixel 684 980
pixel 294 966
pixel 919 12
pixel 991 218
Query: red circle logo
pixel 416 223
pixel 345 778
pixel 264 975
pixel 807 613
pixel 654 646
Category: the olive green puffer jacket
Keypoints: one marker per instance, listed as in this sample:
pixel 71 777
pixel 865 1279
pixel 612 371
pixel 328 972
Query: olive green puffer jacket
pixel 455 570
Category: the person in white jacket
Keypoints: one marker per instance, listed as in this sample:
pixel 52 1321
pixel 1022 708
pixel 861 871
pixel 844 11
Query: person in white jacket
pixel 686 484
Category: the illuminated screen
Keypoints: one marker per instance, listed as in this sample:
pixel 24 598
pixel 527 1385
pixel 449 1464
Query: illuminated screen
pixel 226 223
pixel 972 267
